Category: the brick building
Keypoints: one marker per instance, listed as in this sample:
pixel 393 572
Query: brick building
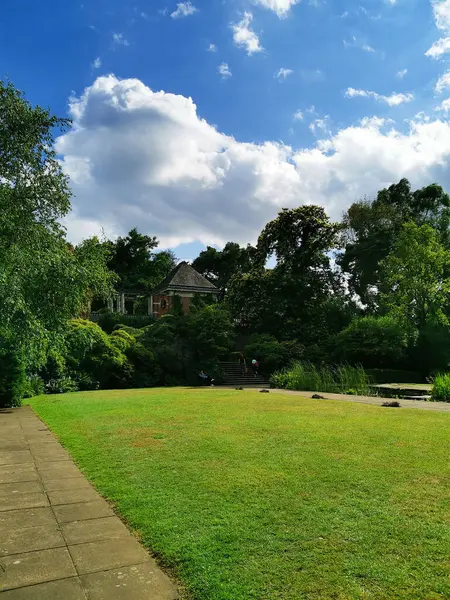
pixel 183 282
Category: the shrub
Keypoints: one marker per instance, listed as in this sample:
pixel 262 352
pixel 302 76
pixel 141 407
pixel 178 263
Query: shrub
pixel 441 388
pixel 61 386
pixel 372 341
pixel 13 383
pixel 34 386
pixel 109 321
pixel 272 354
pixel 326 378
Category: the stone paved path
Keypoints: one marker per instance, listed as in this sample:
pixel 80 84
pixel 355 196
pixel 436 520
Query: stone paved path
pixel 59 540
pixel 376 401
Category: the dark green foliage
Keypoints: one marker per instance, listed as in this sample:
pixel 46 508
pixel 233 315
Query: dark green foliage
pixel 375 342
pixel 138 266
pixel 13 381
pixel 108 321
pixel 219 266
pixel 63 385
pixel 34 386
pixel 91 352
pixel 270 353
pixel 371 229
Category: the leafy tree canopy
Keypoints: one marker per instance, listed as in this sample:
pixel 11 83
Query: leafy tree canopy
pixel 371 227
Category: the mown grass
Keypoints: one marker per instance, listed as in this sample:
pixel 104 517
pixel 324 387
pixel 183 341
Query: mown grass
pixel 264 497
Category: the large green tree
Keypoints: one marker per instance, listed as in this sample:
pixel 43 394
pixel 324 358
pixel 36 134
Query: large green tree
pixel 43 280
pixel 371 227
pixel 219 266
pixel 135 260
pixel 293 298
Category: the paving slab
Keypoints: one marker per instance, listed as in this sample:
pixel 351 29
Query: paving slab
pixel 64 589
pixel 74 483
pixel 74 549
pixel 30 568
pixel 106 528
pixel 13 444
pixel 139 582
pixel 28 517
pixel 82 511
pixel 15 457
pixel 73 496
pixel 55 470
pixel 23 501
pixel 107 554
pixel 16 473
pixel 27 539
pixel 23 487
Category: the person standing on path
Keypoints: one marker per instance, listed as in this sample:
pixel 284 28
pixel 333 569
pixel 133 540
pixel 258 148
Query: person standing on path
pixel 255 367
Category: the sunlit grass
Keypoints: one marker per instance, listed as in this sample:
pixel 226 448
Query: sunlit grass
pixel 268 496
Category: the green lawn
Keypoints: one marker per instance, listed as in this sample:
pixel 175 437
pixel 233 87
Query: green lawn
pixel 268 496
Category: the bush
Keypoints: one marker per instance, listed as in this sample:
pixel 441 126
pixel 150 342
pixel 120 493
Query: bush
pixel 270 353
pixel 441 388
pixel 108 321
pixel 61 386
pixel 13 383
pixel 35 386
pixel 373 342
pixel 92 353
pixel 305 376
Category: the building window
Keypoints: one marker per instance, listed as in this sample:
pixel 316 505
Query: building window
pixel 163 304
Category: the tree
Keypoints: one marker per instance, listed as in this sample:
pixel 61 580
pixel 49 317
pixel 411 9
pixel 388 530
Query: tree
pixel 138 266
pixel 374 342
pixel 290 300
pixel 416 278
pixel 371 227
pixel 43 281
pixel 219 266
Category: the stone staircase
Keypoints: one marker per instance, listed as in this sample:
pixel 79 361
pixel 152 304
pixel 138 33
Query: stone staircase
pixel 232 375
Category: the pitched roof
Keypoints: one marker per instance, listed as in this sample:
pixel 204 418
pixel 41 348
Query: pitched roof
pixel 184 278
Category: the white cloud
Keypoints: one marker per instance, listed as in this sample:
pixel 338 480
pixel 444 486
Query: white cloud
pixel 320 126
pixel 443 82
pixel 402 73
pixel 442 46
pixel 224 71
pixel 441 11
pixel 283 74
pixel 184 9
pixel 212 48
pixel 445 105
pixel 280 7
pixel 392 100
pixel 298 115
pixel 120 39
pixel 138 157
pixel 97 63
pixel 244 37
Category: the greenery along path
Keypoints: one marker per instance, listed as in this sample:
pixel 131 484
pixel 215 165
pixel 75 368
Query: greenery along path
pixel 253 496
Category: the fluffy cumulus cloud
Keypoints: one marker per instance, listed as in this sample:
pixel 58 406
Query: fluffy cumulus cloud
pixel 439 48
pixel 280 7
pixel 145 158
pixel 392 100
pixel 245 37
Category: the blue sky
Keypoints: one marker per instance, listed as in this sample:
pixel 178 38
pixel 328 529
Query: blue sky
pixel 292 102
